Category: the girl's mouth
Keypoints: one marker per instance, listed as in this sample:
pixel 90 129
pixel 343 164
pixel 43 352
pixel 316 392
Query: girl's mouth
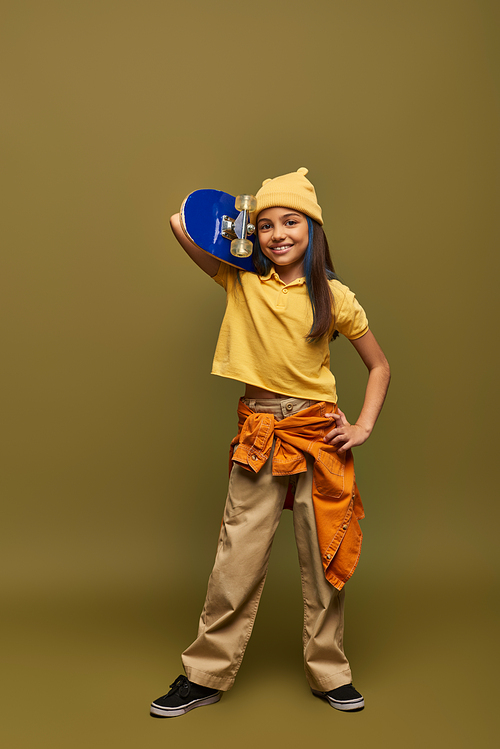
pixel 281 249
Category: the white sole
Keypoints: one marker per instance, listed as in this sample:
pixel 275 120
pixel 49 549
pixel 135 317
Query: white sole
pixel 357 704
pixel 172 712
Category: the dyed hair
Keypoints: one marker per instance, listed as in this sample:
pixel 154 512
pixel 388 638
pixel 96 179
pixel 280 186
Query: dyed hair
pixel 318 270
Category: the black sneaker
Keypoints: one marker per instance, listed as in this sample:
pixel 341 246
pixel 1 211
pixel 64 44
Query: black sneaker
pixel 343 698
pixel 183 697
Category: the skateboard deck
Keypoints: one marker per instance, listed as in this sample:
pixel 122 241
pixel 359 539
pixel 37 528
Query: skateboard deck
pixel 202 220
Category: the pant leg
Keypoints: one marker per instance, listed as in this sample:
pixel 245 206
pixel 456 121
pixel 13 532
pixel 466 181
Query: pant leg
pixel 252 512
pixel 325 663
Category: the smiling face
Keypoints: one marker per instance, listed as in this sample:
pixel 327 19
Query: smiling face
pixel 283 238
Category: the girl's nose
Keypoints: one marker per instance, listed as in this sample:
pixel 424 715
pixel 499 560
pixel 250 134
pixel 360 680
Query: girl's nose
pixel 278 232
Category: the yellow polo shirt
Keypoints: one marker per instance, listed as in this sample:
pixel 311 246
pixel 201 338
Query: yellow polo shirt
pixel 262 340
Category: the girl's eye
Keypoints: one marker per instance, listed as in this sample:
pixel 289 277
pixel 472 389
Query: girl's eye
pixel 291 221
pixel 263 227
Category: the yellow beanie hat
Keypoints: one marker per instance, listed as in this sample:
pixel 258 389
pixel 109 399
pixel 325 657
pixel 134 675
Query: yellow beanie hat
pixel 290 191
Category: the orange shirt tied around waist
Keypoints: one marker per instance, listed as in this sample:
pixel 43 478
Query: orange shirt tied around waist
pixel 335 496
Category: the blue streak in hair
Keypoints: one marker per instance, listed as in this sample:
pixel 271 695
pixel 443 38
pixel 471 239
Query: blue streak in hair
pixel 308 261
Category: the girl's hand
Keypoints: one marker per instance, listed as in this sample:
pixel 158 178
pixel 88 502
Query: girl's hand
pixel 345 435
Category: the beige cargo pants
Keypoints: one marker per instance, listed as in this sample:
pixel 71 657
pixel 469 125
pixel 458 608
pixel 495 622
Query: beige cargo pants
pixel 251 515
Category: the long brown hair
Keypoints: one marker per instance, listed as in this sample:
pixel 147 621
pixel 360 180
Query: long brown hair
pixel 319 270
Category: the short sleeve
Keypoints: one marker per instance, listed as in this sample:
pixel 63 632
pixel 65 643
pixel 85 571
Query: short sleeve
pixel 350 317
pixel 225 275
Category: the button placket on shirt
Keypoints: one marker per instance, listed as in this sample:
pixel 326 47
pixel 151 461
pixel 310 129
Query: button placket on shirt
pixel 282 298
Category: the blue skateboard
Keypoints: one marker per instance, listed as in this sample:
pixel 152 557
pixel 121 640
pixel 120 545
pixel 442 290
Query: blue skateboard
pixel 219 224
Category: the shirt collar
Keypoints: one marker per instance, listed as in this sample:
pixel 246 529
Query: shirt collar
pixel 273 276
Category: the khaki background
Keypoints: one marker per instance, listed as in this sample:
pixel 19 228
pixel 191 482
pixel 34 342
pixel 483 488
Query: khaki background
pixel 115 434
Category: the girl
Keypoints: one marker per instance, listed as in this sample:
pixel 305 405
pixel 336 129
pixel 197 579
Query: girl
pixel 293 447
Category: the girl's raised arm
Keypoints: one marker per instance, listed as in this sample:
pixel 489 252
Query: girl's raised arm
pixel 206 262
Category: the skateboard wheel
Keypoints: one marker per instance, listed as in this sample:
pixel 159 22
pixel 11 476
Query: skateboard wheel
pixel 241 247
pixel 245 203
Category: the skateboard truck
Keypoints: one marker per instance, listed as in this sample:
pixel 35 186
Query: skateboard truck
pixel 238 229
pixel 232 227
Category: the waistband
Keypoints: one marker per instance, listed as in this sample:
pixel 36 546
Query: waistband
pixel 279 407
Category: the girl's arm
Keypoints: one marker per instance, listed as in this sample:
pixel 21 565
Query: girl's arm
pixel 346 435
pixel 206 262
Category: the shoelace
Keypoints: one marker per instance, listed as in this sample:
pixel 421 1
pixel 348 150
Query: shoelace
pixel 181 685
